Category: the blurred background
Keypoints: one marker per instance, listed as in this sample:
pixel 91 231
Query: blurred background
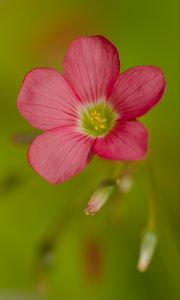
pixel 49 249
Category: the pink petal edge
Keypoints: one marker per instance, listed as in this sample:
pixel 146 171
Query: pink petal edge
pixel 137 90
pixel 59 154
pixel 46 100
pixel 91 65
pixel 127 141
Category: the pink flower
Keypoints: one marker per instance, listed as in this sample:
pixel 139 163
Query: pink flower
pixel 90 109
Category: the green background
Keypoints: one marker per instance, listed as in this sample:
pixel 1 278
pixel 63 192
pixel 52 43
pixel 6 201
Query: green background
pixel 93 257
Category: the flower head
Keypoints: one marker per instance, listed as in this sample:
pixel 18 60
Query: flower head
pixel 90 109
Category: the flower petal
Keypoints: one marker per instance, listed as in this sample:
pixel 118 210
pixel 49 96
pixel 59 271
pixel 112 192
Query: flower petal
pixel 137 90
pixel 91 65
pixel 127 141
pixel 59 154
pixel 46 100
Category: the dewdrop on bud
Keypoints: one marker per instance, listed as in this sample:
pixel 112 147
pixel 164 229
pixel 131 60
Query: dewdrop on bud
pixel 148 247
pixel 100 197
pixel 124 183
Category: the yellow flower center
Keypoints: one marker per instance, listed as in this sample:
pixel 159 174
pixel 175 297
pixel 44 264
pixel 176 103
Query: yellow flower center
pixel 97 119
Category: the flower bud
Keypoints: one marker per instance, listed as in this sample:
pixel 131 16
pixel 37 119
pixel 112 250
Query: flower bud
pixel 124 183
pixel 100 197
pixel 148 246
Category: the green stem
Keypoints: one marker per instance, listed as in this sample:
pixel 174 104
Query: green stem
pixel 151 224
pixel 122 170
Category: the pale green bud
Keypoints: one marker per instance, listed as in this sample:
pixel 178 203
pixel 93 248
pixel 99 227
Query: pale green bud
pixel 125 183
pixel 147 249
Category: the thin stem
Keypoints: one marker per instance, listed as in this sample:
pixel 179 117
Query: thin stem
pixel 151 224
pixel 122 170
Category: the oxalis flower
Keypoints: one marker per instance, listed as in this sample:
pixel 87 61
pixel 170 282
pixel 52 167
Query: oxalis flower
pixel 90 109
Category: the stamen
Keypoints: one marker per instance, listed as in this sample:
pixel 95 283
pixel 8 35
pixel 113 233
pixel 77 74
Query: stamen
pixel 98 120
pixel 102 126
